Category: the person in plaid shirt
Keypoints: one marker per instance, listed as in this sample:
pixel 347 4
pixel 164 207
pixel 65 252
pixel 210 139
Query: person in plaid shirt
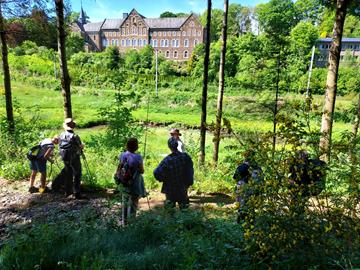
pixel 176 172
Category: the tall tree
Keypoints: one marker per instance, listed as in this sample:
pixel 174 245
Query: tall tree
pixel 331 80
pixel 64 73
pixel 205 87
pixel 6 71
pixel 221 85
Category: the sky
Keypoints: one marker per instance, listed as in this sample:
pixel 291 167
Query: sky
pixel 98 10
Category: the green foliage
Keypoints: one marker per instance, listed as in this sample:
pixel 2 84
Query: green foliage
pixel 74 44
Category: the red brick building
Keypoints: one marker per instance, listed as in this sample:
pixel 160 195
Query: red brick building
pixel 175 38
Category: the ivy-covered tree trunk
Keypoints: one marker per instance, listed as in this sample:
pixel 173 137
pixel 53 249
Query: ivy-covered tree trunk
pixel 331 80
pixel 205 87
pixel 64 73
pixel 221 85
pixel 7 80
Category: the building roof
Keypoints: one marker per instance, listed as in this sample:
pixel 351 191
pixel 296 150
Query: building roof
pixel 342 40
pixel 93 27
pixel 165 23
pixel 112 23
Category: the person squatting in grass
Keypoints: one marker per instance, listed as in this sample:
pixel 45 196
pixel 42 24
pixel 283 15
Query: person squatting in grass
pixel 248 176
pixel 129 175
pixel 176 172
pixel 71 149
pixel 45 153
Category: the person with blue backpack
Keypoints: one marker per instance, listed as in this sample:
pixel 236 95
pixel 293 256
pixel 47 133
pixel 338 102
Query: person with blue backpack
pixel 129 176
pixel 71 149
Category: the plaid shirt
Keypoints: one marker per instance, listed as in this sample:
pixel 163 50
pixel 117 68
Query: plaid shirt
pixel 176 172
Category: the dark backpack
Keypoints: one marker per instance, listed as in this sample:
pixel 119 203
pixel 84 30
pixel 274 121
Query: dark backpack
pixel 317 175
pixel 124 174
pixel 33 152
pixel 67 148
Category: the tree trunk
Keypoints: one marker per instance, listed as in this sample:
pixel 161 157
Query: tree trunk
pixel 7 81
pixel 205 87
pixel 64 73
pixel 221 85
pixel 354 131
pixel 331 80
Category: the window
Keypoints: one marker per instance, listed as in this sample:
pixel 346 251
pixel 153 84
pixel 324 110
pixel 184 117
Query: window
pixel 128 42
pixel 144 31
pixel 186 43
pixel 140 31
pixel 123 42
pixel 105 42
pixel 184 33
pixel 110 34
pixel 166 43
pixel 155 43
pixel 196 42
pixel 140 42
pixel 175 54
pixel 106 34
pixel 134 42
pixel 173 43
pixel 113 42
pixel 127 31
pixel 94 37
pixel 159 34
pixel 192 24
pixel 174 34
pixel 178 34
pixel 167 55
pixel 164 34
pixel 169 34
pixel 177 43
pixel 194 32
pixel 145 42
pixel 199 33
pixel 123 31
pixel 155 34
pixel 119 34
pixel 116 42
pixel 186 54
pixel 114 34
pixel 162 43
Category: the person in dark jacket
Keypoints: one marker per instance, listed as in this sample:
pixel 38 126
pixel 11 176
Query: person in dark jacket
pixel 176 172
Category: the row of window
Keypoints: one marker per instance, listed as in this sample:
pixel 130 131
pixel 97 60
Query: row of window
pixel 343 46
pixel 176 54
pixel 125 42
pixel 189 32
pixel 143 31
pixel 174 43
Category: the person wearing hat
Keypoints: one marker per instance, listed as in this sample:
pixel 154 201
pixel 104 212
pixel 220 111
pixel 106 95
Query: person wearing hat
pixel 70 151
pixel 175 133
pixel 176 172
pixel 46 150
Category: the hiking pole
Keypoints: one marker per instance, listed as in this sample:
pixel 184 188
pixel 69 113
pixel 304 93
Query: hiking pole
pixel 147 198
pixel 86 164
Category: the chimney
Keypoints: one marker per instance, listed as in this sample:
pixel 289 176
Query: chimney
pixel 125 15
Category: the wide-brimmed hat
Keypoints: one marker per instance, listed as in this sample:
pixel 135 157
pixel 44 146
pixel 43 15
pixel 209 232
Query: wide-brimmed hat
pixel 175 131
pixel 69 124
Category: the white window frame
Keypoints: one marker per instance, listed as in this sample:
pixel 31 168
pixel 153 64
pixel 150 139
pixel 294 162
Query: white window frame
pixel 175 54
pixel 186 54
pixel 186 43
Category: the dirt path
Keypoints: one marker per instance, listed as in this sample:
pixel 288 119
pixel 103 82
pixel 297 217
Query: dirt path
pixel 19 209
